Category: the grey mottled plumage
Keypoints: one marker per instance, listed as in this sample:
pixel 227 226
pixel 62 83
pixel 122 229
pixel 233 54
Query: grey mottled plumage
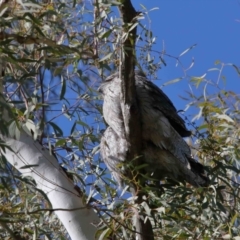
pixel 164 150
pixel 113 151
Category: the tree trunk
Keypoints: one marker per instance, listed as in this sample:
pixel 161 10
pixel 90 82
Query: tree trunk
pixel 51 179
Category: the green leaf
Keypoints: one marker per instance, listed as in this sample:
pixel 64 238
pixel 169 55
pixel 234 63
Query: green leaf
pixel 73 128
pixel 74 3
pixel 82 123
pixel 28 16
pixel 84 110
pixel 60 142
pixel 57 71
pixel 106 57
pixel 80 144
pixel 221 207
pixel 205 203
pixel 63 90
pixel 140 166
pixel 105 234
pixel 203 126
pixel 133 26
pixel 147 208
pixel 29 166
pixel 213 69
pixel 30 128
pixel 106 34
pixel 188 49
pixel 172 81
pixel 224 116
pixel 196 81
pixel 56 129
pixel 236 68
pixel 14 131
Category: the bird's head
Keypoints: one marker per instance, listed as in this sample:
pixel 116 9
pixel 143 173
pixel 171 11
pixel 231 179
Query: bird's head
pixel 111 84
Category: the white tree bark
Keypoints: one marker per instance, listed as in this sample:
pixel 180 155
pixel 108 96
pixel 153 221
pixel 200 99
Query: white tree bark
pixel 53 181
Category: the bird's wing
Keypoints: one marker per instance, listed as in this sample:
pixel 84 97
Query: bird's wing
pixel 161 102
pixel 162 163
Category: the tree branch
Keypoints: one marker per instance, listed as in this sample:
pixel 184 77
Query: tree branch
pixel 130 111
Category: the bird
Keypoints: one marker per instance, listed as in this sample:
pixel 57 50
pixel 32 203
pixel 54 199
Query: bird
pixel 113 149
pixel 165 152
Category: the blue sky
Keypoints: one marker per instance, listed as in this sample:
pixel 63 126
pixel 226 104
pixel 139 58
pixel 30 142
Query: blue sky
pixel 214 25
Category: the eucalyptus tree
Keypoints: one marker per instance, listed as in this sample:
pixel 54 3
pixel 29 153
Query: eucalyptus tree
pixel 53 57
